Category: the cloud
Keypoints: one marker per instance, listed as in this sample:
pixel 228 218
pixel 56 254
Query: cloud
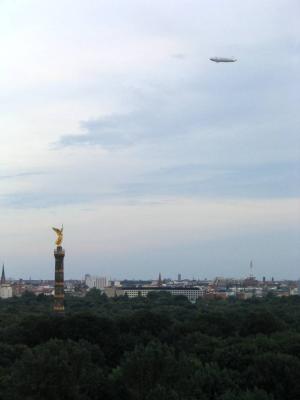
pixel 222 131
pixel 163 185
pixel 34 200
pixel 179 56
pixel 247 102
pixel 159 118
pixel 22 175
pixel 140 117
pixel 273 180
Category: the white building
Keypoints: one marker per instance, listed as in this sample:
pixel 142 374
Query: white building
pixel 192 293
pixel 98 282
pixel 5 291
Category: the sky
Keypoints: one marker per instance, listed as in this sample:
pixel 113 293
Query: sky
pixel 115 123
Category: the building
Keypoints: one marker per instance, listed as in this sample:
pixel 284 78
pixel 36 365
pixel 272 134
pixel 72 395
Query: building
pixel 18 288
pixel 5 288
pixel 98 282
pixel 6 291
pixel 192 293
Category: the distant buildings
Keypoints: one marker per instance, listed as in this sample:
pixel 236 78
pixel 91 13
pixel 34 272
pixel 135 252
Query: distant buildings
pixel 192 293
pixel 98 282
pixel 192 289
pixel 219 288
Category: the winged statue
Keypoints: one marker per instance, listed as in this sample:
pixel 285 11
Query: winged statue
pixel 60 236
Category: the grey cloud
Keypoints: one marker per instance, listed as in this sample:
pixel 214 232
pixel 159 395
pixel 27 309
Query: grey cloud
pixel 22 175
pixel 178 56
pixel 215 130
pixel 60 196
pixel 118 131
pixel 193 180
pixel 252 181
pixel 40 200
pixel 215 99
pixel 112 131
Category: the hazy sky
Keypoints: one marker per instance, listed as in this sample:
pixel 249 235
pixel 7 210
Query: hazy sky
pixel 115 123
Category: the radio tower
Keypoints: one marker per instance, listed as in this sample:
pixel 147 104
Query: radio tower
pixel 251 269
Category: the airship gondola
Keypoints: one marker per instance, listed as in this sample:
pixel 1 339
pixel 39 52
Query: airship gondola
pixel 223 59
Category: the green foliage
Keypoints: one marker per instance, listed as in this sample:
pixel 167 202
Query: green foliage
pixel 253 395
pixel 261 322
pixel 57 370
pixel 156 348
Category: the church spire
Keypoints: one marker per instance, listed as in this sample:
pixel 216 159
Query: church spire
pixel 3 276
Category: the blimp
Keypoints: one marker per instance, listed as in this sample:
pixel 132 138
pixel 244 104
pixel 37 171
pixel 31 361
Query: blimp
pixel 223 59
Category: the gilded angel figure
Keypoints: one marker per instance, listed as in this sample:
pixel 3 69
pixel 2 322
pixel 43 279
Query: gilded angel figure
pixel 60 236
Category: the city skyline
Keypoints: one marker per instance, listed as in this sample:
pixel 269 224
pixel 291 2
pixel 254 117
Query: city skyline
pixel 171 277
pixel 116 124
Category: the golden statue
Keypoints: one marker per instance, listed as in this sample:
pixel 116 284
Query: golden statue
pixel 60 236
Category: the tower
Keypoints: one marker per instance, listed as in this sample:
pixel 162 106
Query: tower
pixel 159 282
pixel 59 292
pixel 251 269
pixel 3 280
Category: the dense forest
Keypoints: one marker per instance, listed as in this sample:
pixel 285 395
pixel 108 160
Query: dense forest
pixel 155 348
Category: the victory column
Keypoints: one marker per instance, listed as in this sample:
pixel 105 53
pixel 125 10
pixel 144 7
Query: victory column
pixel 59 254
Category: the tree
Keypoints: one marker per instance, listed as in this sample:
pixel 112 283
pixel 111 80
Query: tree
pixel 152 366
pixel 248 395
pixel 261 322
pixel 56 370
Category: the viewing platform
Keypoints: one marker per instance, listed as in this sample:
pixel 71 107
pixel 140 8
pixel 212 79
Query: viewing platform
pixel 59 251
